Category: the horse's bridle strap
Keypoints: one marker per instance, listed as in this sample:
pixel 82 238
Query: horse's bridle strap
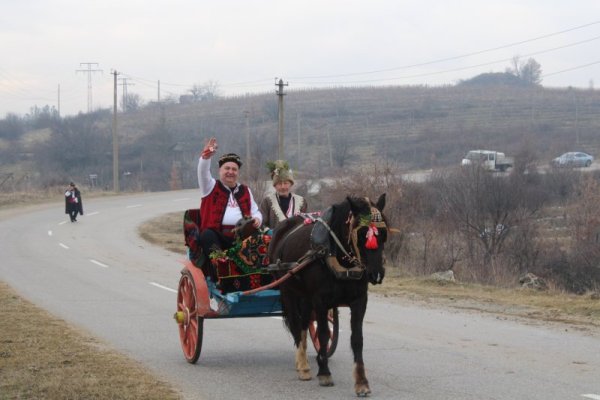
pixel 335 238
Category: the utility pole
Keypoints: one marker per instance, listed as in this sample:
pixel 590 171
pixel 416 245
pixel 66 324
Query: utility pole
pixel 329 148
pixel 247 116
pixel 280 93
pixel 298 147
pixel 159 90
pixel 114 138
pixel 89 71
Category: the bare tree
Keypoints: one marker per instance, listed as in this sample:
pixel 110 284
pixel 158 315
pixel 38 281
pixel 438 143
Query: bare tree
pixel 529 72
pixel 485 208
pixel 209 90
pixel 131 102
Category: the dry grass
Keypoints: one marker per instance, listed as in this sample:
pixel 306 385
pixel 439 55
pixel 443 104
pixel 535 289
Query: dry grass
pixel 165 231
pixel 552 305
pixel 41 357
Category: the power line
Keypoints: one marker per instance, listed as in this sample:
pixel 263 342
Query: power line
pixel 456 69
pixel 571 69
pixel 454 57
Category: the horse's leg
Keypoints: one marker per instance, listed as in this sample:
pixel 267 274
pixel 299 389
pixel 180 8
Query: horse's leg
pixel 357 314
pixel 302 365
pixel 294 310
pixel 324 374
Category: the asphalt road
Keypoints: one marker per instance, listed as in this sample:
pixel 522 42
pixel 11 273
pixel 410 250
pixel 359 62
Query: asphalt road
pixel 101 277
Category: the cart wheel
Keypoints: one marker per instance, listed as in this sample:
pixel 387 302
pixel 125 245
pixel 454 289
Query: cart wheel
pixel 191 324
pixel 334 329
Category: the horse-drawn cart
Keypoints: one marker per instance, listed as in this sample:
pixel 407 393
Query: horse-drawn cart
pixel 201 297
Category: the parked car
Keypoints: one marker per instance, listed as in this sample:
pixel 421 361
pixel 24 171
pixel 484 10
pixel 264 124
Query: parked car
pixel 573 159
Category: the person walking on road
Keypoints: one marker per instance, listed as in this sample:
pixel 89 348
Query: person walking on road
pixel 73 202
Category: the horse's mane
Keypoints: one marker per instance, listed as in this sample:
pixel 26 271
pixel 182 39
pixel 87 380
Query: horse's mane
pixel 341 211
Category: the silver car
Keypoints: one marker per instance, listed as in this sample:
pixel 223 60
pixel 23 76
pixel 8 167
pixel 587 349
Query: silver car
pixel 573 159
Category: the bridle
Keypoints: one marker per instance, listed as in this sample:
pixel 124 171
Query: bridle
pixel 373 222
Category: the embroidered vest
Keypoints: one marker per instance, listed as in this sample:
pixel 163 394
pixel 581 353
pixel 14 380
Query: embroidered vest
pixel 296 204
pixel 212 206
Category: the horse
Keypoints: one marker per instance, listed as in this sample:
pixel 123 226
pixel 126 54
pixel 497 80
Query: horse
pixel 342 252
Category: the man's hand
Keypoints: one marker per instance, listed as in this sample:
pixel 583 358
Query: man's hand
pixel 210 148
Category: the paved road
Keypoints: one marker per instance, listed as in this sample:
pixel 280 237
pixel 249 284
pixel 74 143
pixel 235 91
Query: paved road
pixel 98 275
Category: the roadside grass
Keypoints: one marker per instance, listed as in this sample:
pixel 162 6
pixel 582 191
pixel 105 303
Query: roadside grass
pixel 551 305
pixel 42 357
pixel 11 200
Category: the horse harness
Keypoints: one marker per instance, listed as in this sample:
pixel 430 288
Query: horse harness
pixel 325 243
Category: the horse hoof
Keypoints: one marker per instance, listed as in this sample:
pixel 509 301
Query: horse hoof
pixel 363 391
pixel 304 375
pixel 325 380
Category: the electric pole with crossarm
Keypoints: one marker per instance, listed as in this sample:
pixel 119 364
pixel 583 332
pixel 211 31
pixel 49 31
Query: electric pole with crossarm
pixel 280 93
pixel 89 71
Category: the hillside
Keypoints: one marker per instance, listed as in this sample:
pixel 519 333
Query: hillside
pixel 418 127
pixel 412 127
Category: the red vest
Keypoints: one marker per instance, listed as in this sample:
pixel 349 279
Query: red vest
pixel 212 206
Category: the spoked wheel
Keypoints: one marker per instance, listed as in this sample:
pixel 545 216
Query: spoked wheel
pixel 334 329
pixel 191 324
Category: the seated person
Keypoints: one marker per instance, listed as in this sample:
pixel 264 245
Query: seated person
pixel 282 204
pixel 224 201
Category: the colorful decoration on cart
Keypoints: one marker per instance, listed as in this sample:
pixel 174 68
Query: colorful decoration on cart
pixel 241 266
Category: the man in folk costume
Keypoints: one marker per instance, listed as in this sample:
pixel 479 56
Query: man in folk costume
pixel 224 201
pixel 282 204
pixel 73 202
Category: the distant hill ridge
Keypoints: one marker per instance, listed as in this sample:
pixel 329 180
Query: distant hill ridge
pixel 416 126
pixel 331 130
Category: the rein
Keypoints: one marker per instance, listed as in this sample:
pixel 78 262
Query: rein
pixel 355 272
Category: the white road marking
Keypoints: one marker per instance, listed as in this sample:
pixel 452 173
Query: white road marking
pixel 158 285
pixel 64 246
pixel 62 223
pixel 98 263
pixel 182 199
pixel 591 396
pixel 134 206
pixel 94 213
pixel 49 233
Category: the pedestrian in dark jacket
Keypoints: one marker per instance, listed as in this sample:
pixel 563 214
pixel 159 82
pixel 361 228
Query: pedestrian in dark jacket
pixel 73 202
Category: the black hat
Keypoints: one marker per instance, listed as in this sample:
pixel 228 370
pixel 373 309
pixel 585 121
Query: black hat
pixel 230 157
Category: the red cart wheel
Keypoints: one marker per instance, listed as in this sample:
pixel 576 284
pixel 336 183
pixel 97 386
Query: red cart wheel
pixel 334 330
pixel 189 320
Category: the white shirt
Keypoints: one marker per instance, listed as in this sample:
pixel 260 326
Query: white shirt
pixel 233 213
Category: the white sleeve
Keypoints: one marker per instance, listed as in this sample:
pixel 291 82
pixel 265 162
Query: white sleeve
pixel 206 182
pixel 254 210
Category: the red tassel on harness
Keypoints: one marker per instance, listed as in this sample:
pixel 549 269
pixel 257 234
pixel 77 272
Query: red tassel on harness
pixel 372 233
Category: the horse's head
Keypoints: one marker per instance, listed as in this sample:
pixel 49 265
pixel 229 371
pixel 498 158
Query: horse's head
pixel 368 235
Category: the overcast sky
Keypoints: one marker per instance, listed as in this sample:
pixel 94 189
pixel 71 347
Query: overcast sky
pixel 244 45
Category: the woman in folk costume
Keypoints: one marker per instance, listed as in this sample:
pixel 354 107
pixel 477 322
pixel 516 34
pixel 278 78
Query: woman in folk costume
pixel 282 204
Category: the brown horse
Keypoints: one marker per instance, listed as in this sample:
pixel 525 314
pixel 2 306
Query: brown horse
pixel 343 252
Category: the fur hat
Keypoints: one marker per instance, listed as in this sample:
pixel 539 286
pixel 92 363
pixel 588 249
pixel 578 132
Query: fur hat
pixel 280 171
pixel 230 157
